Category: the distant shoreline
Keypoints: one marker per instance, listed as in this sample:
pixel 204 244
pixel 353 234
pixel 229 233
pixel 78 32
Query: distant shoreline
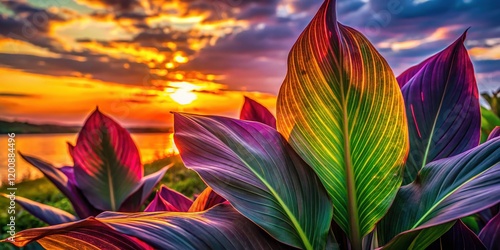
pixel 30 128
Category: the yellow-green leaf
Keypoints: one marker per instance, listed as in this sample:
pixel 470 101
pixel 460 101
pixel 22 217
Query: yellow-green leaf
pixel 341 108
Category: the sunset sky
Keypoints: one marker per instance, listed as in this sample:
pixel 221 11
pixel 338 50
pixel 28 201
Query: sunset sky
pixel 140 59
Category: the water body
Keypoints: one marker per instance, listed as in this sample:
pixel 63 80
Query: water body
pixel 52 148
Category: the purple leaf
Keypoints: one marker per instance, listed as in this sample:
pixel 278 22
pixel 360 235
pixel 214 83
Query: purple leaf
pixel 148 183
pixel 442 106
pixel 176 199
pixel 206 200
pixel 494 133
pixel 158 204
pixel 458 237
pixel 107 163
pixel 218 228
pixel 490 234
pixel 412 71
pixel 70 174
pixel 445 190
pixel 252 166
pixel 254 111
pixel 61 178
pixel 45 213
pixel 84 234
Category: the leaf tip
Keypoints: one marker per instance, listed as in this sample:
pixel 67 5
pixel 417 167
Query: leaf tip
pixel 464 35
pixel 96 116
pixel 179 118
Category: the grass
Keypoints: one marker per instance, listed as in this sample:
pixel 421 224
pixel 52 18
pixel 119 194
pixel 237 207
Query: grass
pixel 42 190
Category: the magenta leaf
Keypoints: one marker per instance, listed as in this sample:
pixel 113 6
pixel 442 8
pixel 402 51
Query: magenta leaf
pixel 148 183
pixel 494 133
pixel 107 163
pixel 206 200
pixel 442 107
pixel 458 237
pixel 218 228
pixel 158 204
pixel 252 166
pixel 45 213
pixel 254 111
pixel 176 199
pixel 71 148
pixel 62 178
pixel 490 234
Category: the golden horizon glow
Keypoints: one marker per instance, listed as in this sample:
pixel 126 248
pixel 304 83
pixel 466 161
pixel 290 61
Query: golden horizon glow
pixel 70 99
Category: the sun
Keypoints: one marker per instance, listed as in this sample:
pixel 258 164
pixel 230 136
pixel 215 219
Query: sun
pixel 183 96
pixel 182 93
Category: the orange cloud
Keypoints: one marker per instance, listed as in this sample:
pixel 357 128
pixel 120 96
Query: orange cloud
pixel 12 46
pixel 485 53
pixel 439 34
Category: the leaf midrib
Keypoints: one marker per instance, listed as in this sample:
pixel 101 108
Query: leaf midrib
pixel 289 214
pixel 107 163
pixel 428 147
pixel 111 191
pixel 352 206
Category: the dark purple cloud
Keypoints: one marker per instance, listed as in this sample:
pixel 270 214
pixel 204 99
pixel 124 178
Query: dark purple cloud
pixel 16 95
pixel 97 69
pixel 254 58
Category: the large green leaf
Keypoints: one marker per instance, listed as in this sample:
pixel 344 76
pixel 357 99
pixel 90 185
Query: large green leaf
pixel 252 166
pixel 444 191
pixel 341 108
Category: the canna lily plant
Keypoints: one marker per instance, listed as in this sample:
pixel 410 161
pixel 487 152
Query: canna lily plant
pixel 356 159
pixel 107 174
